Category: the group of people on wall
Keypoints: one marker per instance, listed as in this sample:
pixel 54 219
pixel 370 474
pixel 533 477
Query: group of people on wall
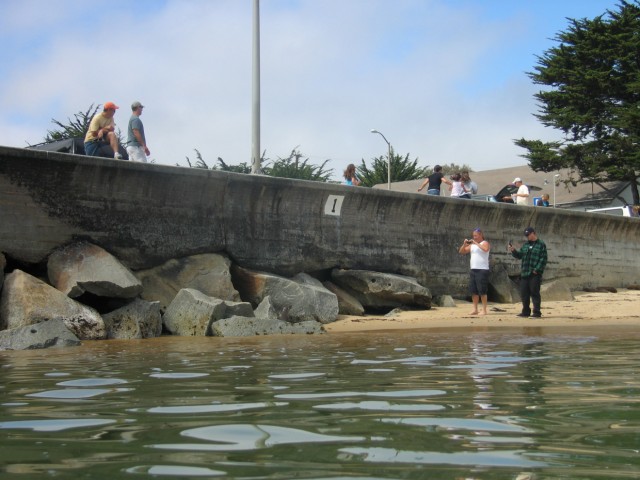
pixel 460 183
pixel 102 128
pixel 460 186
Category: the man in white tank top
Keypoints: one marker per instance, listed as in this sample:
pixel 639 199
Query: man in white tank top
pixel 479 249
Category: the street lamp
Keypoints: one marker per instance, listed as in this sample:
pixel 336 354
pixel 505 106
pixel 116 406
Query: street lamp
pixel 389 158
pixel 555 181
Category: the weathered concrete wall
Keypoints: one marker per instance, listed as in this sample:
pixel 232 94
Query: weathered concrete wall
pixel 146 214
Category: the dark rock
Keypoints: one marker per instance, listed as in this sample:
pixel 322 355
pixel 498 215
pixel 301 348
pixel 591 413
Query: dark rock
pixel 347 303
pixel 445 301
pixel 139 319
pixel 83 267
pixel 26 301
pixel 251 326
pixel 299 299
pixel 191 312
pixel 501 288
pixel 52 333
pixel 382 290
pixel 556 290
pixel 207 273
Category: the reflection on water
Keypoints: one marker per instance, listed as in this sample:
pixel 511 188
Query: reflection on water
pixel 532 404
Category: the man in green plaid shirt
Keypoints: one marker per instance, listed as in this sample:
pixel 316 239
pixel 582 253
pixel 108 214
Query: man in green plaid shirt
pixel 534 258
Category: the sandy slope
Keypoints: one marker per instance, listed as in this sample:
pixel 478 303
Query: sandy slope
pixel 588 309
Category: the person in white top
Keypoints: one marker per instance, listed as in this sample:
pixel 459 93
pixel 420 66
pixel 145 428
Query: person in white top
pixel 479 249
pixel 521 197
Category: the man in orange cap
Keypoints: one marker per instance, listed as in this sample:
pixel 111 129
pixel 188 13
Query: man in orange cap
pixel 102 130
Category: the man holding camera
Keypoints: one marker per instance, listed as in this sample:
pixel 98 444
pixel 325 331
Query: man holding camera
pixel 479 249
pixel 534 258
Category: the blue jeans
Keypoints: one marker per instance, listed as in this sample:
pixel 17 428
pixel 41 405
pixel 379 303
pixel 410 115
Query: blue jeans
pixel 91 148
pixel 433 191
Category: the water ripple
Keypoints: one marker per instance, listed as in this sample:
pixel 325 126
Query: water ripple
pixel 216 408
pixel 501 458
pixel 56 425
pixel 175 471
pixel 237 437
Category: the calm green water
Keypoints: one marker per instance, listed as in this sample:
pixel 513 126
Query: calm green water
pixel 518 404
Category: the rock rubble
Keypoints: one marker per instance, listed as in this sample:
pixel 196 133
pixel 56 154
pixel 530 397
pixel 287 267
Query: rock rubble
pixel 88 294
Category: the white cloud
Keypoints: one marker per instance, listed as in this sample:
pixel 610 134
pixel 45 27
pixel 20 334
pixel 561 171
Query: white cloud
pixel 419 71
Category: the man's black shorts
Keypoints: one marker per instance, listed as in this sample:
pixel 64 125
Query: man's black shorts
pixel 478 282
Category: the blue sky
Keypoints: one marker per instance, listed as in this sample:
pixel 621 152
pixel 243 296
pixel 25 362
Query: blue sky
pixel 443 80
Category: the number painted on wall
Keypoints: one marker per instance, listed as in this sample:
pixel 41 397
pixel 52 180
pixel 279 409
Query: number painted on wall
pixel 333 205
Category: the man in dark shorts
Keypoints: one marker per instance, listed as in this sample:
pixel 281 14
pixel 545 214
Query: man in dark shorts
pixel 479 250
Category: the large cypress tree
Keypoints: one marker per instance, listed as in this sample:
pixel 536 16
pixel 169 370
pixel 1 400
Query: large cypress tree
pixel 593 75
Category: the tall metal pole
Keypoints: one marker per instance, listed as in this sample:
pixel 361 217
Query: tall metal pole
pixel 388 158
pixel 255 119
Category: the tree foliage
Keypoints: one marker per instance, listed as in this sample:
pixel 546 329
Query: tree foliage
pixel 73 128
pixel 222 165
pixel 402 168
pixel 76 127
pixel 293 166
pixel 593 98
pixel 451 168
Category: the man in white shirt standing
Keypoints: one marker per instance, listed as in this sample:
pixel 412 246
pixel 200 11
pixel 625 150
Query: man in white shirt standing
pixel 521 197
pixel 479 249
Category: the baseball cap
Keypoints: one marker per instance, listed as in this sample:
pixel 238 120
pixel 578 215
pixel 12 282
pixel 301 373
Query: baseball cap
pixel 516 180
pixel 135 105
pixel 528 231
pixel 110 105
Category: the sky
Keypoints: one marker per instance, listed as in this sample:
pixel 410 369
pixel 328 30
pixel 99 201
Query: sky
pixel 443 80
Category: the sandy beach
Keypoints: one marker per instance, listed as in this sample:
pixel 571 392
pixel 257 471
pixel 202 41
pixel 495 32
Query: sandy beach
pixel 587 310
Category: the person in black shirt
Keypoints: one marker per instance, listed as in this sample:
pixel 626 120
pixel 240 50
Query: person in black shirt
pixel 434 181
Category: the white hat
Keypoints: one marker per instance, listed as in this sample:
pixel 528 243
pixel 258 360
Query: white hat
pixel 517 179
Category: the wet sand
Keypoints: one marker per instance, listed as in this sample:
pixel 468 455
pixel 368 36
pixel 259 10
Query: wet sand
pixel 587 310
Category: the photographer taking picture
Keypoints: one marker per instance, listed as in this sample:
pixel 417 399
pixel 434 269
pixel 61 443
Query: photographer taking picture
pixel 479 249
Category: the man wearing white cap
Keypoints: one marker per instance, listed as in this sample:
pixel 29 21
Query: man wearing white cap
pixel 136 141
pixel 521 197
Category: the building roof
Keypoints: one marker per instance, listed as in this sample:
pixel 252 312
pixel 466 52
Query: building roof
pixel 568 195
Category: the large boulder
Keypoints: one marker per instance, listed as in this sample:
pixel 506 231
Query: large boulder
pixel 501 288
pixel 302 298
pixel 347 303
pixel 382 290
pixel 207 273
pixel 138 319
pixel 27 301
pixel 83 267
pixel 191 312
pixel 556 290
pixel 52 333
pixel 249 326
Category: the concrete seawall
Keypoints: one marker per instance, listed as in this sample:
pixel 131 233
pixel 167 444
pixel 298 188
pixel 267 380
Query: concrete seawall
pixel 145 214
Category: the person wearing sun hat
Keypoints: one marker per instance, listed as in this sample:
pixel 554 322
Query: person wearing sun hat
pixel 533 255
pixel 102 129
